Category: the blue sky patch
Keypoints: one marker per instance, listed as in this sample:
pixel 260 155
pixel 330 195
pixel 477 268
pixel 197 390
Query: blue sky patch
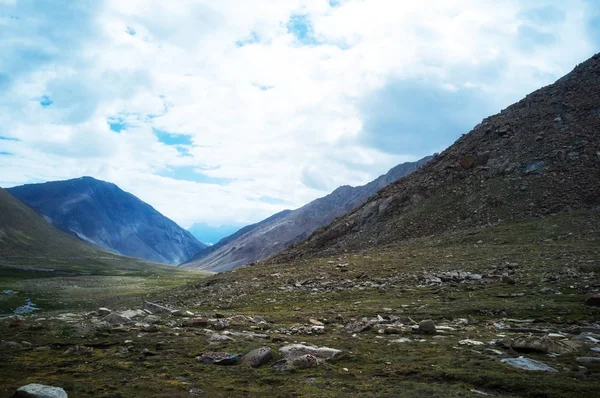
pixel 193 174
pixel 172 139
pixel 130 31
pixel 117 125
pixel 5 153
pixel 262 87
pixel 9 139
pixel 251 39
pixel 45 101
pixel 335 3
pixel 302 27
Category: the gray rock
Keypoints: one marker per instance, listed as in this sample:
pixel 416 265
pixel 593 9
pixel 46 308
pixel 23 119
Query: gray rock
pixel 156 308
pixel 427 326
pixel 116 319
pixel 103 311
pixel 547 290
pixel 357 327
pixel 218 338
pixel 258 357
pixel 528 364
pixel 507 279
pixel 301 362
pixel 219 358
pixel 10 345
pixel 132 314
pixel 40 391
pixel 593 301
pixel 543 344
pixel 296 350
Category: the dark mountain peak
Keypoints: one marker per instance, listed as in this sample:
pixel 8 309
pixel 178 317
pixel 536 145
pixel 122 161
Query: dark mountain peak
pixel 537 157
pixel 101 213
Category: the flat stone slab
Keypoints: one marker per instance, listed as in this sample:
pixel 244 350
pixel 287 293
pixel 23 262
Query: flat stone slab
pixel 40 391
pixel 528 364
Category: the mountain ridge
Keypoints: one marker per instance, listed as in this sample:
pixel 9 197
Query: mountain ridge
pixel 104 215
pixel 283 229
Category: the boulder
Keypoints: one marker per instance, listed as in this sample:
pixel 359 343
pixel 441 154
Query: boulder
pixel 103 311
pixel 40 391
pixel 357 327
pixel 593 301
pixel 258 357
pixel 116 319
pixel 132 314
pixel 427 327
pixel 196 323
pixel 301 362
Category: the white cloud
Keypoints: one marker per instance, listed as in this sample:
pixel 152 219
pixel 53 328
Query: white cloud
pixel 275 117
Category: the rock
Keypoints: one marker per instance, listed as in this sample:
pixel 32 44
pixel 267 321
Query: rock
pixel 116 319
pixel 189 313
pixel 547 290
pixel 427 326
pixel 156 308
pixel 258 357
pixel 196 323
pixel 296 363
pixel 132 314
pixel 79 350
pixel 147 353
pixel 216 338
pixel 177 313
pixel 11 345
pixel 219 358
pixel 470 342
pixel 103 311
pixel 528 364
pixel 40 391
pixel 152 319
pixel 315 322
pixel 593 301
pixel 588 359
pixel 258 319
pixel 401 340
pixel 357 327
pixel 508 280
pixel 295 350
pixel 150 328
pixel 467 162
pixel 542 344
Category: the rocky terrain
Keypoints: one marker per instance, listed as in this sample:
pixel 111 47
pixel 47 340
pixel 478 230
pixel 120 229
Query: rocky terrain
pixel 102 214
pixel 505 311
pixel 281 230
pixel 538 157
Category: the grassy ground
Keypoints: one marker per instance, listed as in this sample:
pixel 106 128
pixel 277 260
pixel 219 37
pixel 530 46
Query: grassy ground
pixel 561 253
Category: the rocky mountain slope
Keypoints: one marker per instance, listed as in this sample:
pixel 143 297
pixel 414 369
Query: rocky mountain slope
pixel 261 240
pixel 538 157
pixel 104 215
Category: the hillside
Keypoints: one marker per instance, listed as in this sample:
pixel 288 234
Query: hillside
pixel 538 157
pixel 266 238
pixel 102 214
pixel 24 234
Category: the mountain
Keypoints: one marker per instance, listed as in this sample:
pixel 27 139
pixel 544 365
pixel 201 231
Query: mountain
pixel 210 234
pixel 101 213
pixel 23 233
pixel 266 238
pixel 538 157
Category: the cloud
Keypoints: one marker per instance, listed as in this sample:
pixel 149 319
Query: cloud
pixel 226 112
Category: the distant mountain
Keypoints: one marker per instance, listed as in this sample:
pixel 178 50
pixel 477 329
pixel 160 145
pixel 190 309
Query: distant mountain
pixel 266 238
pixel 209 234
pixel 102 214
pixel 536 158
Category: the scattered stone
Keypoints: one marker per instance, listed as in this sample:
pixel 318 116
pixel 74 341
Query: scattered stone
pixel 196 323
pixel 542 344
pixel 116 319
pixel 177 313
pixel 79 350
pixel 315 322
pixel 593 301
pixel 508 280
pixel 219 358
pixel 295 350
pixel 11 345
pixel 189 313
pixel 132 314
pixel 152 319
pixel 150 328
pixel 258 357
pixel 528 364
pixel 471 342
pixel 103 311
pixel 547 290
pixel 147 353
pixel 40 391
pixel 216 338
pixel 401 340
pixel 357 327
pixel 301 362
pixel 427 327
pixel 156 308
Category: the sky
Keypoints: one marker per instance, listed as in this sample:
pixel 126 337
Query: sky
pixel 225 112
